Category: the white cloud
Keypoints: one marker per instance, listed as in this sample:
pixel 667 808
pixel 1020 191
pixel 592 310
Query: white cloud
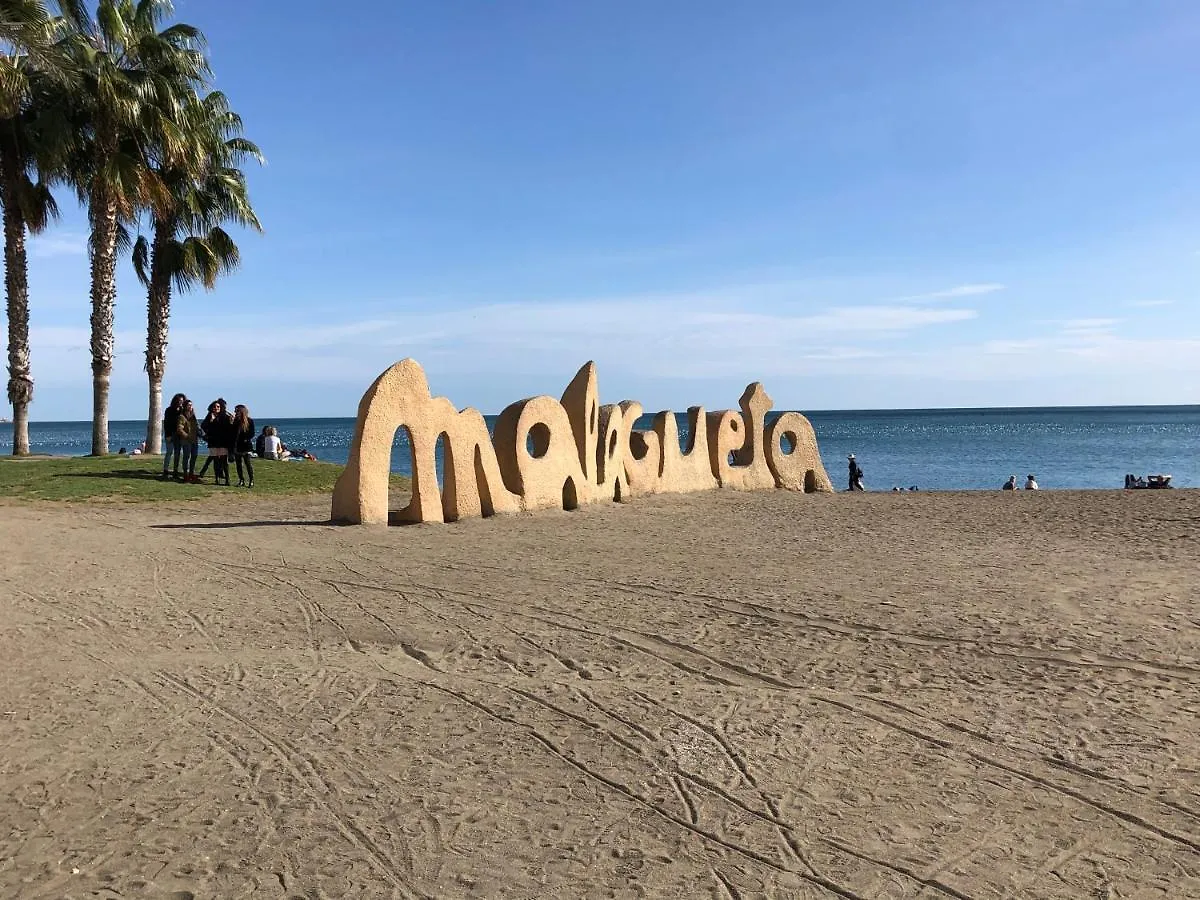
pixel 841 320
pixel 954 293
pixel 1088 327
pixel 58 243
pixel 668 336
pixel 724 334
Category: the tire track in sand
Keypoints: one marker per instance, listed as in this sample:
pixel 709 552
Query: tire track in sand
pixel 294 762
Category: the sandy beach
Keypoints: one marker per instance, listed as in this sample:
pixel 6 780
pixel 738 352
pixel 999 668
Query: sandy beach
pixel 721 695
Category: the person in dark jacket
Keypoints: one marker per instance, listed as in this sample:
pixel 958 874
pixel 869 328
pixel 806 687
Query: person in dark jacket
pixel 243 444
pixel 856 475
pixel 170 428
pixel 219 435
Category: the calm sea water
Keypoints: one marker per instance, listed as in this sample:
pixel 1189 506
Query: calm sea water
pixel 1084 447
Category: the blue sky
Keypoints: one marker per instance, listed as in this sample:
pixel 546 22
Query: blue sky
pixel 862 204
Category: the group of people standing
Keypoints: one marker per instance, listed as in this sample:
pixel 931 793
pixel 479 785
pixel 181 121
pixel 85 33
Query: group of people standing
pixel 226 434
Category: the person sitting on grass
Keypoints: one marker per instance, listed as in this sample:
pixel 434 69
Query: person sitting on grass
pixel 271 446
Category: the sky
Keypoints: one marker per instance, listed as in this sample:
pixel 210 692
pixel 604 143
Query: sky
pixel 931 203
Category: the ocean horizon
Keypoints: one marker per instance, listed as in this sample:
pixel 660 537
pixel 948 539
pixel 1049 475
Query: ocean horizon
pixel 934 449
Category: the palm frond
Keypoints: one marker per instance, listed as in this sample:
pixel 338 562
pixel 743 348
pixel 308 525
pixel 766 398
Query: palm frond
pixel 141 260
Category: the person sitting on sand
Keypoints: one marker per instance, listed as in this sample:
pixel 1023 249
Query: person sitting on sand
pixel 1031 483
pixel 1011 484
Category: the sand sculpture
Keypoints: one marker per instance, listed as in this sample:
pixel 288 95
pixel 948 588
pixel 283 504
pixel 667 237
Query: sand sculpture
pixel 548 453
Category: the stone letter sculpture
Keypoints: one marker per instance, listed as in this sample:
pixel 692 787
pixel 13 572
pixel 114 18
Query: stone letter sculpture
pixel 560 454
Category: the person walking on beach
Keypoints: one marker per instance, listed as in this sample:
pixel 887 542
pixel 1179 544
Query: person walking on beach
pixel 243 445
pixel 1031 483
pixel 1011 484
pixel 170 425
pixel 856 474
pixel 188 431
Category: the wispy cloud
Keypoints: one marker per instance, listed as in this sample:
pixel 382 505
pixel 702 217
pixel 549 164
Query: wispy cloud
pixel 840 320
pixel 1088 327
pixel 954 293
pixel 701 335
pixel 60 243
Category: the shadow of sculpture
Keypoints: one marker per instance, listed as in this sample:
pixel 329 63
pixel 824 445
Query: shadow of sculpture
pixel 188 526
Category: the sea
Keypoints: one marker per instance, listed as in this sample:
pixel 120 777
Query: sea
pixel 932 449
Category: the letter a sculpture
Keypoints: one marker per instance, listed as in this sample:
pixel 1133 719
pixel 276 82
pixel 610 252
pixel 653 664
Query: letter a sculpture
pixel 549 453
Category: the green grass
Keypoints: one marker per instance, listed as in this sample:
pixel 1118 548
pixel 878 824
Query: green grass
pixel 135 478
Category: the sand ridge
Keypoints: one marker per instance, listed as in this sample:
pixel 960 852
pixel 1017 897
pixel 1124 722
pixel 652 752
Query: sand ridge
pixel 718 695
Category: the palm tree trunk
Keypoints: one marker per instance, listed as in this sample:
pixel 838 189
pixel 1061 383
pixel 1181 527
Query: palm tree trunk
pixel 104 295
pixel 158 313
pixel 16 288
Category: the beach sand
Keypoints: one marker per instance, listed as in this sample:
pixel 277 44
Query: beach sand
pixel 721 695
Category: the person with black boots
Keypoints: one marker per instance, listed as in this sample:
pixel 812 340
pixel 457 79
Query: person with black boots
pixel 243 445
pixel 219 435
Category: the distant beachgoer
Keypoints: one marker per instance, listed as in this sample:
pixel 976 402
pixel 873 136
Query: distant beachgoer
pixel 170 424
pixel 243 430
pixel 1031 483
pixel 855 474
pixel 121 452
pixel 188 430
pixel 139 449
pixel 1011 484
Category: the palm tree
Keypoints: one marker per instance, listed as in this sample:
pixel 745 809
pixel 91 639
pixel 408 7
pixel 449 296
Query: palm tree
pixel 132 78
pixel 206 189
pixel 28 206
pixel 28 31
